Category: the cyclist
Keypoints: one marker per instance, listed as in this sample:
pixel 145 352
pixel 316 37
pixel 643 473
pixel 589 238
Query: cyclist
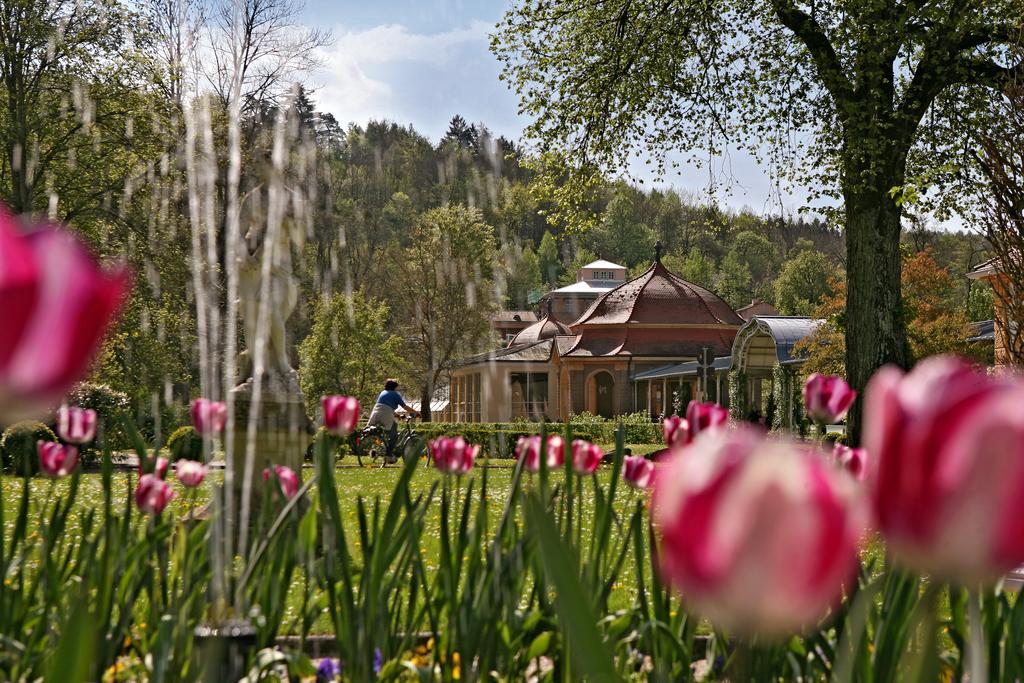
pixel 383 414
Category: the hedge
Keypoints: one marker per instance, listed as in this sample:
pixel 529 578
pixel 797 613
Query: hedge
pixel 18 446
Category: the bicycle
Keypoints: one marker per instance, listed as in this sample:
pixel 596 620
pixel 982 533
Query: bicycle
pixel 372 441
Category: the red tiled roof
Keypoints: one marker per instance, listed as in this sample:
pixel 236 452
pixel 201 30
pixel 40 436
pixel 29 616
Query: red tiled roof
pixel 545 328
pixel 658 297
pixel 659 341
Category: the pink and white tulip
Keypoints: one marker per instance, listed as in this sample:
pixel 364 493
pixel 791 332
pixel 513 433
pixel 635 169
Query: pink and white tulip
pixel 529 448
pixel 76 425
pixel 153 494
pixel 759 535
pixel 637 471
pixel 676 430
pixel 827 398
pixel 949 448
pixel 853 460
pixel 57 306
pixel 286 479
pixel 190 473
pixel 56 460
pixel 453 455
pixel 703 417
pixel 586 457
pixel 159 467
pixel 341 414
pixel 208 417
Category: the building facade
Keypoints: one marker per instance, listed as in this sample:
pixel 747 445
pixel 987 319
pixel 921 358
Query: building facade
pixel 1008 337
pixel 592 280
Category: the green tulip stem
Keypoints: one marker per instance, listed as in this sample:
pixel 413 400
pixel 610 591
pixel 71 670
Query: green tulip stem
pixel 976 646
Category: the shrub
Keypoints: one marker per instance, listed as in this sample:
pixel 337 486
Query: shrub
pixel 109 405
pixel 339 445
pixel 18 446
pixel 185 443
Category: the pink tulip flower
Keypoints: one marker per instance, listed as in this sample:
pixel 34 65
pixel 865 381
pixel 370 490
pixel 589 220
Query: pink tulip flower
pixel 190 473
pixel 638 471
pixel 286 478
pixel 827 398
pixel 56 460
pixel 703 417
pixel 208 417
pixel 585 456
pixel 76 425
pixel 853 460
pixel 57 306
pixel 153 494
pixel 529 448
pixel 759 535
pixel 159 467
pixel 341 414
pixel 453 455
pixel 949 473
pixel 676 430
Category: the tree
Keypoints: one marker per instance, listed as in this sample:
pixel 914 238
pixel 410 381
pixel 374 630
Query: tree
pixel 620 235
pixel 548 259
pixel 698 268
pixel 350 350
pixel 880 92
pixel 733 282
pixel 803 282
pixel 521 272
pixel 760 256
pixel 447 269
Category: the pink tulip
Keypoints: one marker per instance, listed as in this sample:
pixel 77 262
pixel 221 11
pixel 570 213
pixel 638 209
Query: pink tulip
pixel 827 398
pixel 153 494
pixel 286 478
pixel 57 306
pixel 453 455
pixel 702 417
pixel 949 446
pixel 341 414
pixel 159 467
pixel 853 460
pixel 677 431
pixel 56 460
pixel 76 425
pixel 528 448
pixel 638 471
pixel 190 473
pixel 585 456
pixel 758 534
pixel 208 417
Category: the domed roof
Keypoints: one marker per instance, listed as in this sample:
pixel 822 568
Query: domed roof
pixel 659 297
pixel 545 328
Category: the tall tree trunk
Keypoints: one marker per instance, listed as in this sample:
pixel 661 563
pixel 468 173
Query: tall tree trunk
pixel 875 325
pixel 426 395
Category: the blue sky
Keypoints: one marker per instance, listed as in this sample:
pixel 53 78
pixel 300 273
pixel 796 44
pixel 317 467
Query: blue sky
pixel 421 62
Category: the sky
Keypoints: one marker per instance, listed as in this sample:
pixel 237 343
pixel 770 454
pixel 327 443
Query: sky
pixel 421 62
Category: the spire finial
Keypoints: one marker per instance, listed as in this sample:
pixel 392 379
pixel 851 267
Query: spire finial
pixel 657 251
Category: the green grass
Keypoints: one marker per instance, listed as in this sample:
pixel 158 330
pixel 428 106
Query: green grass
pixel 352 482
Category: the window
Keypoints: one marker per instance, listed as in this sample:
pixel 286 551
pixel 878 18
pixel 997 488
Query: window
pixel 529 392
pixel 509 336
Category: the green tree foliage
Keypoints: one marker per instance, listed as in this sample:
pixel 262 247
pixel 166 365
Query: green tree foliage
pixel 520 269
pixel 621 235
pixel 733 282
pixel 548 259
pixel 878 95
pixel 698 269
pixel 804 280
pixel 760 257
pixel 351 350
pixel 447 277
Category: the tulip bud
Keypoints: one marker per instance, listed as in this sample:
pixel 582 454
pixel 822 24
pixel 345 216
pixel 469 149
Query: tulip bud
pixel 341 414
pixel 190 473
pixel 56 460
pixel 208 417
pixel 76 425
pixel 948 444
pixel 702 417
pixel 153 494
pixel 528 448
pixel 758 534
pixel 638 471
pixel 286 479
pixel 453 455
pixel 677 431
pixel 853 460
pixel 827 398
pixel 585 457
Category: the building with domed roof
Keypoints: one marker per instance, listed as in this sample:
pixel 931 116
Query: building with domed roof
pixel 553 370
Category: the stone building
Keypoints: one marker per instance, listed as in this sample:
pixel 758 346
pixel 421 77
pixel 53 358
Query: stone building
pixel 553 369
pixel 592 280
pixel 1008 339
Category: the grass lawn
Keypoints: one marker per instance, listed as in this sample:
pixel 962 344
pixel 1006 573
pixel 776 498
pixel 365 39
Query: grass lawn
pixel 353 483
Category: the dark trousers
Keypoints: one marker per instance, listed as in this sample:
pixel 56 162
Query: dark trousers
pixel 392 438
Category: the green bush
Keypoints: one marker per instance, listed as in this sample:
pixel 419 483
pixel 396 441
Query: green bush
pixel 18 446
pixel 110 405
pixel 339 445
pixel 185 443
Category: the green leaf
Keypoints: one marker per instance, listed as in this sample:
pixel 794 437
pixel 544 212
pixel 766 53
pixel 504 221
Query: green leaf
pixel 539 646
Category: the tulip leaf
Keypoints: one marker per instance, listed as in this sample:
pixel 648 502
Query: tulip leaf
pixel 540 645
